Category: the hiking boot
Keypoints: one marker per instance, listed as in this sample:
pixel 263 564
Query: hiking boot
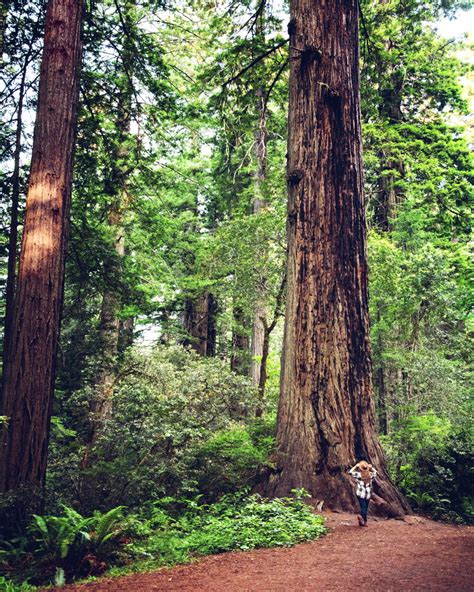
pixel 361 521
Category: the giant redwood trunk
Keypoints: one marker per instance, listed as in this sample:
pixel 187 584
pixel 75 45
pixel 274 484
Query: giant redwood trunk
pixel 326 418
pixel 30 365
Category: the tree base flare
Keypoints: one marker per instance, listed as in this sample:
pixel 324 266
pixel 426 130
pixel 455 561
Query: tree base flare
pixel 335 492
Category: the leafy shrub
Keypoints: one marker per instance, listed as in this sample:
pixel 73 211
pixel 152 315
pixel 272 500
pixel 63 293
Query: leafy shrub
pixel 231 460
pixel 236 522
pixel 433 465
pixel 167 404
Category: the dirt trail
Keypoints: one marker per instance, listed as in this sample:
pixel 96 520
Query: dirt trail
pixel 389 556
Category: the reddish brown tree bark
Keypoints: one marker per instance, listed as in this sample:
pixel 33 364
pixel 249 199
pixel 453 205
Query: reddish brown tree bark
pixel 326 418
pixel 30 368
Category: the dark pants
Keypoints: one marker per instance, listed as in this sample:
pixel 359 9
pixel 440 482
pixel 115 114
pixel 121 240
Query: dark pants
pixel 364 507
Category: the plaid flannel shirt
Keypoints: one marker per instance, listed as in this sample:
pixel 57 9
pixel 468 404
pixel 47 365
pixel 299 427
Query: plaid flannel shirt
pixel 363 490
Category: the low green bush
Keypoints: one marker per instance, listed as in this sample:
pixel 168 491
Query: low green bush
pixel 232 459
pixel 236 522
pixel 167 404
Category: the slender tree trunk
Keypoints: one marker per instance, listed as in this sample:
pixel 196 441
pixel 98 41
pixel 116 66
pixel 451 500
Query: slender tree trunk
pixel 109 330
pixel 126 330
pixel 109 326
pixel 326 416
pixel 380 380
pixel 13 235
pixel 31 361
pixel 389 199
pixel 260 313
pixel 268 329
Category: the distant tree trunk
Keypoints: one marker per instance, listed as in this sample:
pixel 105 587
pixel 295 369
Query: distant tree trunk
pixel 260 313
pixel 13 234
pixel 3 25
pixel 389 190
pixel 109 330
pixel 326 416
pixel 200 324
pixel 268 329
pixel 380 380
pixel 386 206
pixel 109 327
pixel 239 361
pixel 31 361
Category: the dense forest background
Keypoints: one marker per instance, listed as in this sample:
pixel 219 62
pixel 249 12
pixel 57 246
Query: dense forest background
pixel 169 356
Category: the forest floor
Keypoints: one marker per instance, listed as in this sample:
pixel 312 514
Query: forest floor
pixel 391 555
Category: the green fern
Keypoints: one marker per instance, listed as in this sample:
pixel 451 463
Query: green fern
pixel 106 531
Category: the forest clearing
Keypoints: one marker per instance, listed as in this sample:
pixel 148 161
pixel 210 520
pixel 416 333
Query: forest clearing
pixel 237 304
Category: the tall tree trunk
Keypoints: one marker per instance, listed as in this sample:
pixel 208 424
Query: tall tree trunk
pixel 31 361
pixel 389 198
pixel 326 417
pixel 260 313
pixel 109 326
pixel 13 235
pixel 109 332
pixel 380 380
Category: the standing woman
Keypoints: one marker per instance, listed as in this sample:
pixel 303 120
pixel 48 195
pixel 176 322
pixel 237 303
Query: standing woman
pixel 364 474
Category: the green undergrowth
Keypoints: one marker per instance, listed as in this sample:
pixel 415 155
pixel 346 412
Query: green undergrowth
pixel 60 549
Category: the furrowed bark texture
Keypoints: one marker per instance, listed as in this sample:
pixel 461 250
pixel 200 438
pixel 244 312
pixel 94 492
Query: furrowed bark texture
pixel 326 416
pixel 30 368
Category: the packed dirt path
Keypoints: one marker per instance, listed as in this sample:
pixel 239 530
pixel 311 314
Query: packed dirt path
pixel 390 556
